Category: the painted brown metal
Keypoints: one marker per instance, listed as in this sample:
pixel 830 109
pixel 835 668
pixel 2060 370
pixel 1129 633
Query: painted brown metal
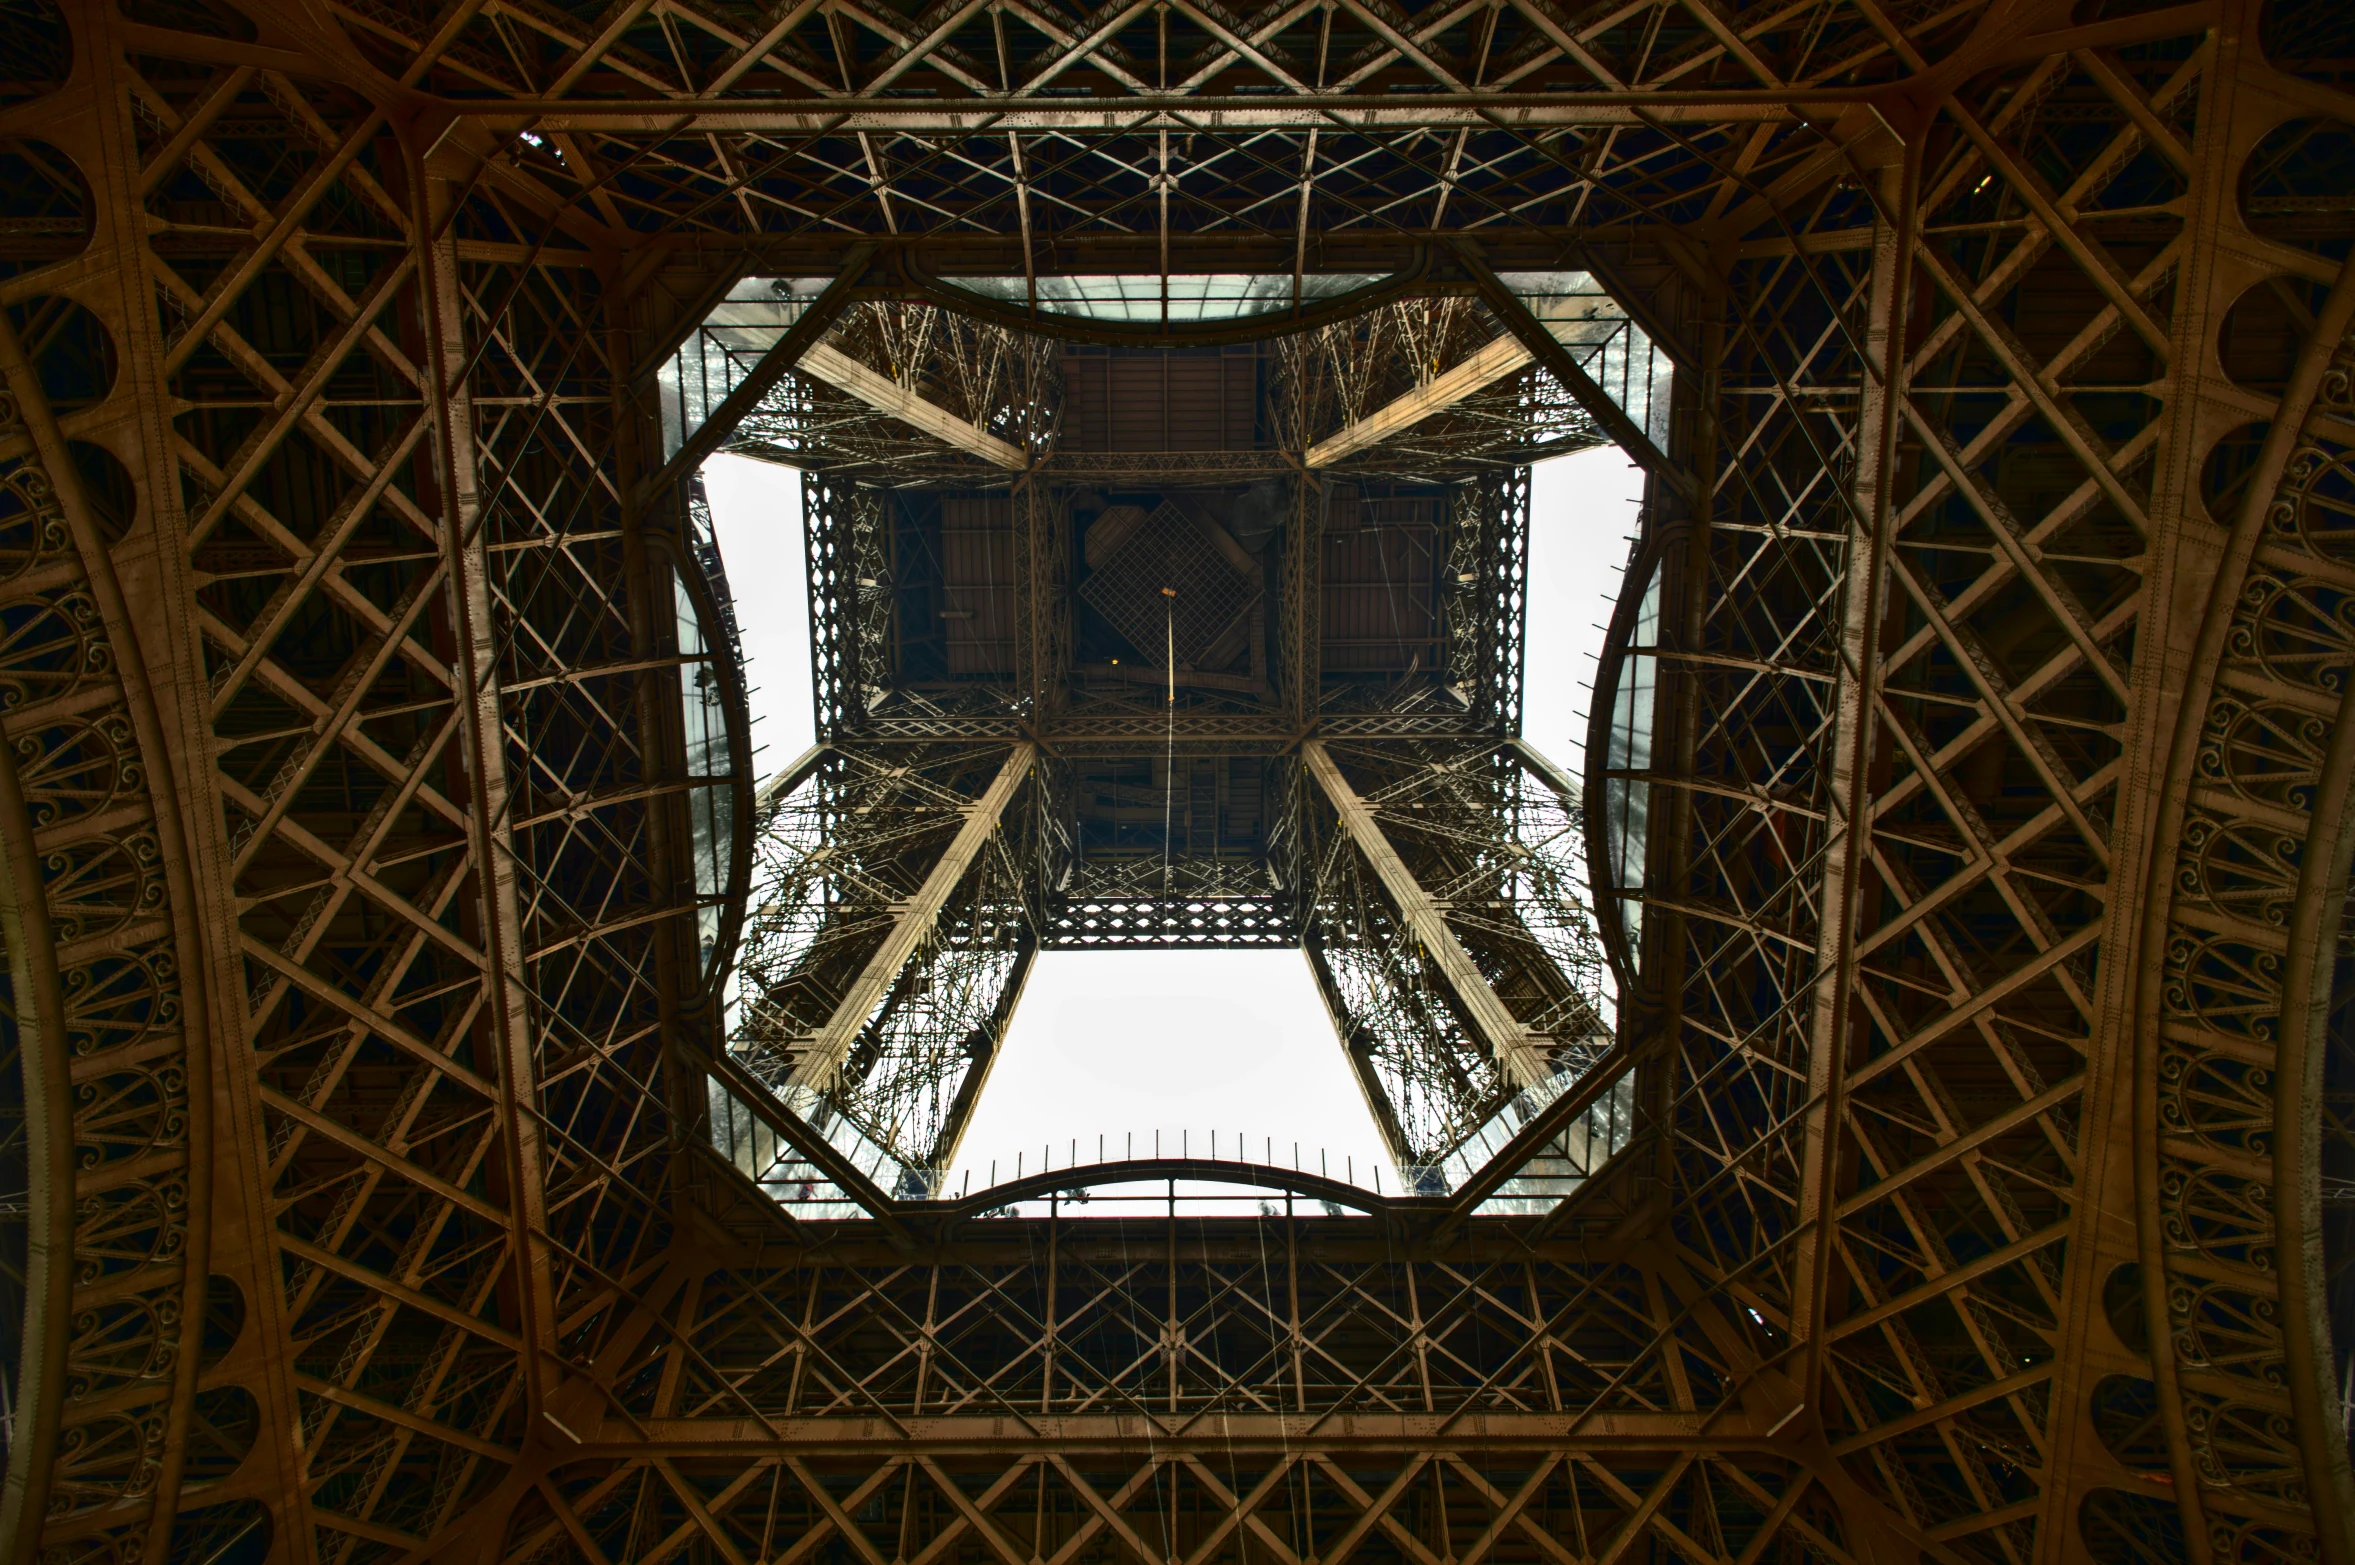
pixel 1996 905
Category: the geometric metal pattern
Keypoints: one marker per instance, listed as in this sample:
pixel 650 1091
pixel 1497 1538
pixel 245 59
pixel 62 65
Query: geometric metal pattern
pixel 1401 616
pixel 1498 846
pixel 1985 1012
pixel 1166 546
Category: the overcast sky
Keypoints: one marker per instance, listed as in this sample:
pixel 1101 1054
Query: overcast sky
pixel 1130 1044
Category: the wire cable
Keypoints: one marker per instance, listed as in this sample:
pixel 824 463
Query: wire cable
pixel 1169 741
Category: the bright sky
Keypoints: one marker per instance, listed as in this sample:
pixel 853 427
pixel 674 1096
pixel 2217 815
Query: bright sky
pixel 1121 1044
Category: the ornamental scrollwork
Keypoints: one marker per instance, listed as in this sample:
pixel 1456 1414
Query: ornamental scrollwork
pixel 132 1112
pixel 2223 982
pixel 2246 870
pixel 121 1342
pixel 2228 1328
pixel 123 1003
pixel 2260 1542
pixel 2262 752
pixel 118 1032
pixel 2225 1219
pixel 2239 870
pixel 33 532
pixel 116 1455
pixel 2247 1444
pixel 2312 510
pixel 137 1225
pixel 79 767
pixel 51 648
pixel 2292 630
pixel 2223 1099
pixel 99 886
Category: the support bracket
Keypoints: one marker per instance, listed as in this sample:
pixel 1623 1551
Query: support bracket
pixel 786 352
pixel 1548 350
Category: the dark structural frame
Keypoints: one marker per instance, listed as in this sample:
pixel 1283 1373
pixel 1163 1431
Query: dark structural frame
pixel 1969 782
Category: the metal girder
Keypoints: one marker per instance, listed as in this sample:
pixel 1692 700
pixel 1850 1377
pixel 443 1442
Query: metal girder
pixel 1500 358
pixel 1417 112
pixel 954 384
pixel 817 1059
pixel 378 987
pixel 1303 586
pixel 1547 349
pixel 781 359
pixel 1498 1030
pixel 1411 387
pixel 888 396
pixel 67 932
pixel 1881 355
pixel 807 1140
pixel 1493 846
pixel 480 723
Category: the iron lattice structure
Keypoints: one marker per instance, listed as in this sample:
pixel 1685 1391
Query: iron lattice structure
pixel 1972 760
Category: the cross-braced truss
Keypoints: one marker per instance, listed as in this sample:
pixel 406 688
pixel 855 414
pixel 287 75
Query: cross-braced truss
pixel 367 910
pixel 1416 866
pixel 843 856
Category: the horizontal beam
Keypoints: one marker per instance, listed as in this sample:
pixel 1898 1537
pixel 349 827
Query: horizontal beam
pixel 885 395
pixel 984 1438
pixel 923 260
pixel 1112 738
pixel 1330 112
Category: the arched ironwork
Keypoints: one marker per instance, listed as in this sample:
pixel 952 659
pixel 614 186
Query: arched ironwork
pixel 1989 1138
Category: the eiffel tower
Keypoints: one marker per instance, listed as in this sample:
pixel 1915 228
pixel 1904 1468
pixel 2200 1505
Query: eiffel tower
pixel 1897 1103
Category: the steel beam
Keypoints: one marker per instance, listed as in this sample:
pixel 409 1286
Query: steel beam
pixel 1532 1138
pixel 1848 844
pixel 820 1057
pixel 804 1138
pixel 1300 632
pixel 788 350
pixel 1547 349
pixel 1498 1031
pixel 1349 111
pixel 1501 357
pixel 885 395
pixel 481 722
